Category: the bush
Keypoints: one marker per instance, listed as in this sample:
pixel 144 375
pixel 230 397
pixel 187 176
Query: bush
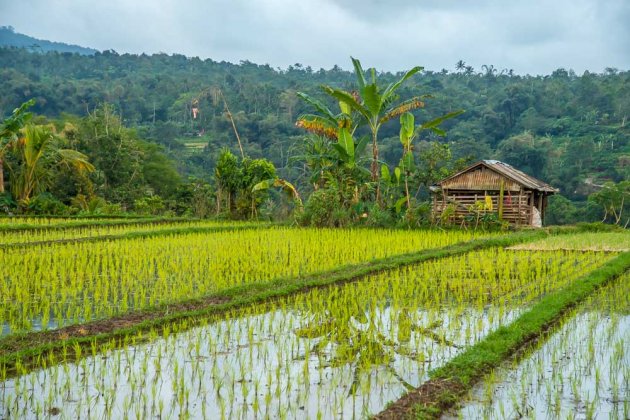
pixel 46 203
pixel 377 217
pixel 418 216
pixel 151 205
pixel 323 210
pixel 7 203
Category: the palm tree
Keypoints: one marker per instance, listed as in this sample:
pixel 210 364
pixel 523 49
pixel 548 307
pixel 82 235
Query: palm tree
pixel 38 150
pixel 489 70
pixel 373 104
pixel 8 133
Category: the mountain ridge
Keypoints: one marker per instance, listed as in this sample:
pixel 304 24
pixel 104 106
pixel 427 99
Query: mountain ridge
pixel 10 38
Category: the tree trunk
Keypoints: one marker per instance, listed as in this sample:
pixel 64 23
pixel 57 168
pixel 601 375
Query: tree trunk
pixel 219 199
pixel 374 168
pixel 1 175
pixel 407 190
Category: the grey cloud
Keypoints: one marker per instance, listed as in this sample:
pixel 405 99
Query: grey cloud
pixel 533 37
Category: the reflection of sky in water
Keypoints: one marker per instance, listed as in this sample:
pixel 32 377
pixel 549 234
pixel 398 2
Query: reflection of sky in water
pixel 48 286
pixel 259 363
pixel 256 357
pixel 583 370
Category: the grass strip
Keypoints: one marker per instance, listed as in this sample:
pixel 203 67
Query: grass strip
pixel 451 382
pixel 25 348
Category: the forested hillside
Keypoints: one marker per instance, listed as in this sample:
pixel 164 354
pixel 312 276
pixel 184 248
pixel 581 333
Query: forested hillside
pixel 10 38
pixel 569 130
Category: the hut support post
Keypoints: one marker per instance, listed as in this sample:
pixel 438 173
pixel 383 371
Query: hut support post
pixel 518 210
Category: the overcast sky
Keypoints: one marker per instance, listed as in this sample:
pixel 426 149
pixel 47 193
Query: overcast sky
pixel 528 36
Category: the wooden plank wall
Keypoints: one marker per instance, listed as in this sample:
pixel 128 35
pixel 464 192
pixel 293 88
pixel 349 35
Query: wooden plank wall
pixel 512 212
pixel 481 179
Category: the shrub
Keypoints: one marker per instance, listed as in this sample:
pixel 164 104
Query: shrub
pixel 46 203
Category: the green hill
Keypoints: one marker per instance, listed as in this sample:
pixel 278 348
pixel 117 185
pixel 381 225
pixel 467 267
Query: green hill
pixel 567 129
pixel 10 38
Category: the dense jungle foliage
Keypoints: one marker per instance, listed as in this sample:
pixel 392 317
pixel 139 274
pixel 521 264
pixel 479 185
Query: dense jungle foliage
pixel 157 128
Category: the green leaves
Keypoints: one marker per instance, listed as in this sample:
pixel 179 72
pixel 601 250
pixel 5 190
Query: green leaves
pixel 319 106
pixel 408 162
pixel 359 73
pixel 394 86
pixel 399 203
pixel 433 124
pixel 372 99
pixel 385 174
pixel 406 129
pixel 348 99
pixel 76 159
pixel 263 185
pixel 346 142
pixel 16 121
pixel 407 135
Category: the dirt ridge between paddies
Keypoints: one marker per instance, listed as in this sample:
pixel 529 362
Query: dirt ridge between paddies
pixel 137 234
pixel 451 382
pixel 25 348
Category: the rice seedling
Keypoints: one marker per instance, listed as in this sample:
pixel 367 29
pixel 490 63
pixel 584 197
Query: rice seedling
pixel 585 241
pixel 338 352
pixel 43 233
pixel 582 370
pixel 59 284
pixel 51 221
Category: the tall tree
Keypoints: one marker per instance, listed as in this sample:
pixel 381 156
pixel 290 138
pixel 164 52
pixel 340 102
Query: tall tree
pixel 9 131
pixel 38 150
pixel 375 105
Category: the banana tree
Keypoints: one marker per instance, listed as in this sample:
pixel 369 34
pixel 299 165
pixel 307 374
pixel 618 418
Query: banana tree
pixel 408 133
pixel 337 149
pixel 325 123
pixel 348 150
pixel 375 105
pixel 285 185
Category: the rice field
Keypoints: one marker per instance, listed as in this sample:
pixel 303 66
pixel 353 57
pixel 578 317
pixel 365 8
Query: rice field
pixel 581 371
pixel 51 285
pixel 587 241
pixel 339 352
pixel 43 233
pixel 343 351
pixel 60 221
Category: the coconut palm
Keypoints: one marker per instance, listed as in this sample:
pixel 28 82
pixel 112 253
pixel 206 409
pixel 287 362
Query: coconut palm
pixel 38 150
pixel 8 133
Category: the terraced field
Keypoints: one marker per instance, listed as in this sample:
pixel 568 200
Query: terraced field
pixel 205 319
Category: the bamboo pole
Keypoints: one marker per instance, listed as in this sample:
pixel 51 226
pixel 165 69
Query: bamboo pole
pixel 238 138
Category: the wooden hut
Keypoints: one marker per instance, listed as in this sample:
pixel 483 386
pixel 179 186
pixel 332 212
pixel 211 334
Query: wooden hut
pixel 492 186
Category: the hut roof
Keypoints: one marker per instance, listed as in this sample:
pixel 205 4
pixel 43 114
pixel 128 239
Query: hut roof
pixel 509 172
